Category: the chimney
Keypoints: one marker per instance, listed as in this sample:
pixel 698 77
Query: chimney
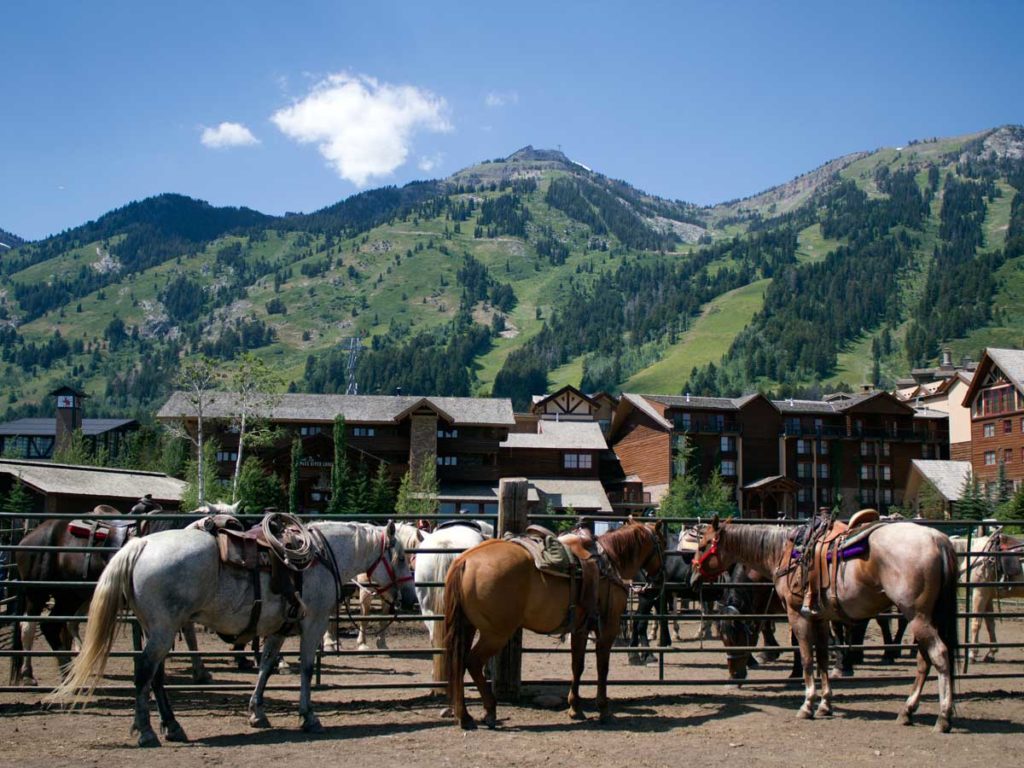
pixel 947 358
pixel 69 416
pixel 687 397
pixel 865 388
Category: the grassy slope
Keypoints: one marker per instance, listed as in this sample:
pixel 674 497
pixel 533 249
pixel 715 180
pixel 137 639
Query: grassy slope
pixel 706 341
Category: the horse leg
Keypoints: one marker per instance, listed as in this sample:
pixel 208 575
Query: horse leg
pixel 804 632
pixel 767 633
pixel 312 632
pixel 821 636
pixel 603 651
pixel 268 665
pixel 485 648
pixel 906 715
pixel 158 643
pixel 579 657
pixel 199 672
pixel 57 634
pixel 23 667
pixel 889 655
pixel 985 606
pixel 981 603
pixel 169 726
pixel 932 646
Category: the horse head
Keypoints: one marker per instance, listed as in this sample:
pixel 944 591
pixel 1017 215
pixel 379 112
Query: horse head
pixel 393 570
pixel 709 562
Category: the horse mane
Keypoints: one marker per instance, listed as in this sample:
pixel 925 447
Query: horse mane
pixel 625 543
pixel 758 544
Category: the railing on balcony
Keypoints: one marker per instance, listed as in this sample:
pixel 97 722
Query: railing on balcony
pixel 715 426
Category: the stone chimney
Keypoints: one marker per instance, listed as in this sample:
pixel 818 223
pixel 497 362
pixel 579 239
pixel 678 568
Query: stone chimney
pixel 422 440
pixel 69 404
pixel 947 358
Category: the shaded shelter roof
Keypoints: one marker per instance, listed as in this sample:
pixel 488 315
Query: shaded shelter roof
pixel 99 482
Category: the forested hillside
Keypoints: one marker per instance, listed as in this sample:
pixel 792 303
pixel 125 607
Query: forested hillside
pixel 525 272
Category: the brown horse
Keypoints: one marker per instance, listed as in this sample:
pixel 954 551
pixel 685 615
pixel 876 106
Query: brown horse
pixel 495 589
pixel 906 565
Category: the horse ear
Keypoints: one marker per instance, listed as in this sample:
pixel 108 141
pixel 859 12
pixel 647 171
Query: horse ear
pixel 714 522
pixel 391 529
pixel 659 526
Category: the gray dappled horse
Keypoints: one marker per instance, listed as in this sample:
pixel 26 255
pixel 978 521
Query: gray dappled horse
pixel 906 565
pixel 174 577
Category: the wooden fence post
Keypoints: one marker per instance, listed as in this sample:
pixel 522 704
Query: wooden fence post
pixel 511 519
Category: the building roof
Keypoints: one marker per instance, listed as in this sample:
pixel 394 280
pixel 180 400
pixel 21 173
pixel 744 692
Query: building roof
pixel 560 435
pixel 100 482
pixel 1009 361
pixel 640 403
pixel 359 409
pixel 929 413
pixel 780 482
pixel 948 477
pixel 693 401
pixel 48 427
pixel 563 493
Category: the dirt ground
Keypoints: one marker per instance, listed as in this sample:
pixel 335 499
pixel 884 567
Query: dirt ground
pixel 700 721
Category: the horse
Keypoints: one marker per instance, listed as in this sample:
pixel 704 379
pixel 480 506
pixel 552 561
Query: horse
pixel 1006 568
pixel 431 570
pixel 73 600
pixel 173 577
pixel 905 564
pixel 495 589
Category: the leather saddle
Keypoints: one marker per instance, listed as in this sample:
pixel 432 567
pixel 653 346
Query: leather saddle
pixel 831 545
pixel 103 533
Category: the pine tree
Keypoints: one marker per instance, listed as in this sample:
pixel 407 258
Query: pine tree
pixel 257 488
pixel 293 479
pixel 417 495
pixel 19 501
pixel 76 451
pixel 358 502
pixel 339 470
pixel 382 495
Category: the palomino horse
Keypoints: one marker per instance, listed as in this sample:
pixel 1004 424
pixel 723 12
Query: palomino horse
pixel 173 577
pixel 73 599
pixel 432 568
pixel 906 564
pixel 495 589
pixel 990 567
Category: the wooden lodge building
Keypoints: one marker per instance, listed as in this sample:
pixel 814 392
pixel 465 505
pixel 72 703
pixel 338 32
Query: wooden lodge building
pixel 995 401
pixel 782 457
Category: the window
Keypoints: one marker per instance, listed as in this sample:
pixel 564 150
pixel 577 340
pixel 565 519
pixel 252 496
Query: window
pixel 867 495
pixel 803 494
pixel 717 422
pixel 447 507
pixel 886 472
pixel 727 444
pixel 363 432
pixel 867 472
pixel 823 447
pixel 825 495
pixel 803 446
pixel 309 430
pixel 926 451
pixel 886 448
pixel 803 469
pixel 866 449
pixel 1007 427
pixel 448 433
pixel 729 468
pixel 823 471
pixel 447 461
pixel 227 455
pixel 792 426
pixel 989 430
pixel 577 461
pixel 1007 455
pixel 990 458
pixel 995 400
pixel 819 425
pixel 887 495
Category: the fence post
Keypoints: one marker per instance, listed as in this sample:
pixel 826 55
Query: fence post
pixel 511 519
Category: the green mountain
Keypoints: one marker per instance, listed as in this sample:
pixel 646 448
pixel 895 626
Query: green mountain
pixel 8 241
pixel 530 271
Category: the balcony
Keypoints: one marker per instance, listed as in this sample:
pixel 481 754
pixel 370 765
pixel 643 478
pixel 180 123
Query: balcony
pixel 707 426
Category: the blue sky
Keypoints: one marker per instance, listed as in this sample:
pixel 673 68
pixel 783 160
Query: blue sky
pixel 293 106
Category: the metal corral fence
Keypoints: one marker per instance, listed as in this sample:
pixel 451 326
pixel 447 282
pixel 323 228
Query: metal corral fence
pixel 13 529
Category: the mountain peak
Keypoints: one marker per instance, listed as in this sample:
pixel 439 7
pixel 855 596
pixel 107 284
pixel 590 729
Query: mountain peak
pixel 529 154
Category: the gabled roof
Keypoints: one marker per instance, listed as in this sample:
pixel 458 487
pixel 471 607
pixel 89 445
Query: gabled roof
pixel 1009 361
pixel 48 427
pixel 540 400
pixel 100 482
pixel 948 477
pixel 560 435
pixel 357 409
pixel 640 403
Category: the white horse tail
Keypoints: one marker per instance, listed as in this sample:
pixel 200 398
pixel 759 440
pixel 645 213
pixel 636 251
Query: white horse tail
pixel 113 591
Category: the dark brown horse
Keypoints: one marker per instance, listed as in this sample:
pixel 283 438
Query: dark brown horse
pixel 906 565
pixel 78 570
pixel 495 589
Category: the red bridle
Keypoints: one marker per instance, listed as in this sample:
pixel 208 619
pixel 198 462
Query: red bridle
pixel 395 581
pixel 711 551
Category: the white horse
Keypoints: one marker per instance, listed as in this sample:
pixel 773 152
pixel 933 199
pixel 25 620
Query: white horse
pixel 432 568
pixel 173 577
pixel 989 568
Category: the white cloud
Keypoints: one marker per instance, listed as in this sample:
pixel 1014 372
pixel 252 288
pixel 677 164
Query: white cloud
pixel 228 135
pixel 496 99
pixel 362 127
pixel 429 163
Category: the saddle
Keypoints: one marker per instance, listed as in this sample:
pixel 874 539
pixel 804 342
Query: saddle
pixel 250 550
pixel 103 533
pixel 1008 567
pixel 575 556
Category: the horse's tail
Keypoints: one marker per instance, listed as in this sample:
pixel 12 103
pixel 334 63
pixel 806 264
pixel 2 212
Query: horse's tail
pixel 113 591
pixel 458 635
pixel 946 611
pixel 434 567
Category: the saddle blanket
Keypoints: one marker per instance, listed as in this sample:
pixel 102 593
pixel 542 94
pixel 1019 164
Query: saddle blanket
pixel 549 554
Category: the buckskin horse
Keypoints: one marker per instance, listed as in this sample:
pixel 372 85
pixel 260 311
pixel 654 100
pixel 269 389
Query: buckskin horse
pixel 73 568
pixel 173 577
pixel 901 564
pixel 495 589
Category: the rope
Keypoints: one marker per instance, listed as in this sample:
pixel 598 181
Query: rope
pixel 290 539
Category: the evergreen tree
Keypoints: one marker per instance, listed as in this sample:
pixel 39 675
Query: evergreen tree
pixel 930 504
pixel 972 505
pixel 716 497
pixel 18 502
pixel 382 495
pixel 339 470
pixel 417 493
pixel 258 488
pixel 207 483
pixel 293 479
pixel 76 451
pixel 359 492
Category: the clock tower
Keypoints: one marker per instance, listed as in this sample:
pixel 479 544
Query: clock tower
pixel 69 415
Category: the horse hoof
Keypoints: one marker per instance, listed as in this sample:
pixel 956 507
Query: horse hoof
pixel 245 665
pixel 362 647
pixel 804 714
pixel 942 725
pixel 174 732
pixel 577 714
pixel 148 740
pixel 204 679
pixel 467 723
pixel 259 721
pixel 491 720
pixel 312 725
pixel 823 712
pixel 904 718
pixel 447 713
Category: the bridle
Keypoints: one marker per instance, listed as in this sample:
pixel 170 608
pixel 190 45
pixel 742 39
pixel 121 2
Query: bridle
pixel 700 560
pixel 394 581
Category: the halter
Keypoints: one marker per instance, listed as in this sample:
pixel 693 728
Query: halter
pixel 394 581
pixel 712 551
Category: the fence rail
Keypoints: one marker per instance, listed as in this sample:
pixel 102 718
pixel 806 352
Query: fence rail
pixel 11 530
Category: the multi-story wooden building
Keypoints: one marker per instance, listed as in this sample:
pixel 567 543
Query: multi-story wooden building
pixel 995 399
pixel 781 457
